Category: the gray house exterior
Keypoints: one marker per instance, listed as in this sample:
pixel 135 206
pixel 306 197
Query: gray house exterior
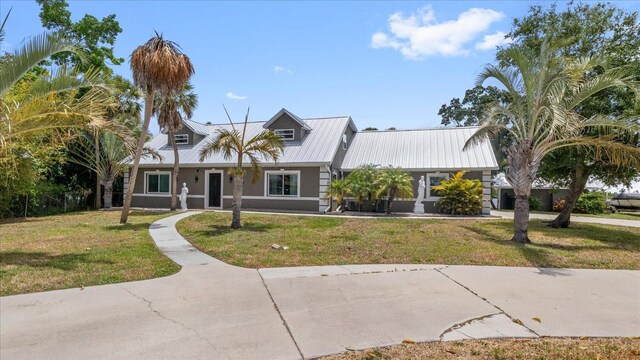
pixel 317 150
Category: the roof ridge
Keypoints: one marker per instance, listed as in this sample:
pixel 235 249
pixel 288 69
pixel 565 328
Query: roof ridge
pixel 424 129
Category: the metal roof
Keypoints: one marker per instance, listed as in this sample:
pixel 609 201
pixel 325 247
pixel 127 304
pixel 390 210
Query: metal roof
pixel 318 147
pixel 196 127
pixel 293 116
pixel 430 149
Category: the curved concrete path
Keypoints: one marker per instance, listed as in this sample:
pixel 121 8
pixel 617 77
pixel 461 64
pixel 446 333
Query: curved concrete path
pixel 574 218
pixel 214 310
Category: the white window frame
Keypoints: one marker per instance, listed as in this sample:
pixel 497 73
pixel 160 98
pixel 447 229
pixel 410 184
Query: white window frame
pixel 146 178
pixel 184 139
pixel 289 136
pixel 428 189
pixel 344 141
pixel 281 172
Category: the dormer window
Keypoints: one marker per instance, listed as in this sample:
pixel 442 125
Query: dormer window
pixel 285 134
pixel 181 139
pixel 344 141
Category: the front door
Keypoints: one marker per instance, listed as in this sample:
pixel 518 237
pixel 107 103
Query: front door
pixel 214 196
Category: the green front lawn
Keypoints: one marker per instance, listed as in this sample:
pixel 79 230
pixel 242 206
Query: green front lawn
pixel 315 240
pixel 78 249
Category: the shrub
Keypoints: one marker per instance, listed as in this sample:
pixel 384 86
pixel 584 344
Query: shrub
pixel 459 196
pixel 534 203
pixel 558 205
pixel 591 203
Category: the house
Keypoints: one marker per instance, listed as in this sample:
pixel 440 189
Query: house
pixel 316 151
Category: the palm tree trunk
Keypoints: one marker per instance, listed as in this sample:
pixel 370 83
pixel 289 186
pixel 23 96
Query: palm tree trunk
pixel 521 220
pixel 238 181
pixel 389 200
pixel 148 107
pixel 176 168
pixel 97 150
pixel 108 195
pixel 579 179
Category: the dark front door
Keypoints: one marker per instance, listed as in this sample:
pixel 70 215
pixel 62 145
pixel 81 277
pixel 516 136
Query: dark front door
pixel 215 194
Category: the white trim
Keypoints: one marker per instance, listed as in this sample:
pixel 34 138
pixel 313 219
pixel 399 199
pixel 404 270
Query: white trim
pixel 293 133
pixel 273 198
pixel 157 172
pixel 428 189
pixel 281 172
pixel 206 188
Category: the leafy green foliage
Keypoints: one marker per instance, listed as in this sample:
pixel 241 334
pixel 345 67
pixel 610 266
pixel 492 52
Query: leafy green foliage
pixel 361 186
pixel 338 190
pixel 470 112
pixel 96 37
pixel 394 183
pixel 534 203
pixel 591 203
pixel 459 196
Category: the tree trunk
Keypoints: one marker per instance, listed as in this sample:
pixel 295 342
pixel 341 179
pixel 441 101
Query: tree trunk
pixel 238 181
pixel 97 150
pixel 108 195
pixel 521 220
pixel 579 179
pixel 176 166
pixel 148 107
pixel 389 201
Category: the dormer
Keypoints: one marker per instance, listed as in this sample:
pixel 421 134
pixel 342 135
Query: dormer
pixel 288 126
pixel 190 134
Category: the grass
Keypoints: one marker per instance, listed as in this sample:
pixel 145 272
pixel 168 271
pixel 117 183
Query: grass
pixel 538 349
pixel 78 249
pixel 314 240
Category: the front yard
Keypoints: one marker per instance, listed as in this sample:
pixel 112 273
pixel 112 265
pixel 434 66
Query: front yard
pixel 314 240
pixel 78 249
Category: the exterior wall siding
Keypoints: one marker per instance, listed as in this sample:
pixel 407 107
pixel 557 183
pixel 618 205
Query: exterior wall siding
pixel 286 122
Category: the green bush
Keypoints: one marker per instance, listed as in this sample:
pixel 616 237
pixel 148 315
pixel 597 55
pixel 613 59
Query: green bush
pixel 534 203
pixel 591 203
pixel 459 196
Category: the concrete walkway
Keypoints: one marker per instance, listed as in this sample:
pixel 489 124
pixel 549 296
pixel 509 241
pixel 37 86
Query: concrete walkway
pixel 578 219
pixel 221 311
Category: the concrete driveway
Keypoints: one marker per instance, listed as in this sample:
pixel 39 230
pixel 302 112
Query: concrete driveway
pixel 214 310
pixel 574 218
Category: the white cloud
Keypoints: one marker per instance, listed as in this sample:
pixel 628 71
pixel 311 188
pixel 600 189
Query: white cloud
pixel 282 69
pixel 420 35
pixel 490 42
pixel 233 96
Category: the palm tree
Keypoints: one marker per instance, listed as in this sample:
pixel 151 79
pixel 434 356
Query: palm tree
pixel 394 183
pixel 265 146
pixel 360 185
pixel 114 151
pixel 545 92
pixel 171 110
pixel 158 66
pixel 338 190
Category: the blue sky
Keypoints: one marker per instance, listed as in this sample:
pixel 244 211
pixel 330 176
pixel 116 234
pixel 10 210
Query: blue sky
pixel 383 63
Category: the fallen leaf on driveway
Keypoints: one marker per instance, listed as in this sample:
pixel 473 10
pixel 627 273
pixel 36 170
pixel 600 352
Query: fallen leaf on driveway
pixel 408 341
pixel 536 319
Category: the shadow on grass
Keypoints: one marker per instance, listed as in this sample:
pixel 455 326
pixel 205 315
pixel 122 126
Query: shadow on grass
pixel 219 230
pixel 129 226
pixel 42 259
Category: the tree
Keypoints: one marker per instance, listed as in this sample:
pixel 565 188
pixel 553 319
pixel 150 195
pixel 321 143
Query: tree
pixel 471 110
pixel 545 92
pixel 171 110
pixel 115 150
pixel 394 183
pixel 338 190
pixel 460 196
pixel 582 30
pixel 158 66
pixel 96 37
pixel 265 146
pixel 361 186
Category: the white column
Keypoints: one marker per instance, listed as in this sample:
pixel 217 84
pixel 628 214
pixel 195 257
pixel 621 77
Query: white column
pixel 325 179
pixel 486 192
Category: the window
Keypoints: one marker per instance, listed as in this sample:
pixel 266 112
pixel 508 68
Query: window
pixel 434 180
pixel 158 182
pixel 344 141
pixel 181 139
pixel 285 134
pixel 283 183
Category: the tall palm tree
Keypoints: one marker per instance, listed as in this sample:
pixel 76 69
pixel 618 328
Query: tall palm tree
pixel 158 66
pixel 265 146
pixel 394 183
pixel 115 150
pixel 171 110
pixel 546 90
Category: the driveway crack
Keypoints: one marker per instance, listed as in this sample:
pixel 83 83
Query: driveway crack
pixel 519 322
pixel 466 322
pixel 161 315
